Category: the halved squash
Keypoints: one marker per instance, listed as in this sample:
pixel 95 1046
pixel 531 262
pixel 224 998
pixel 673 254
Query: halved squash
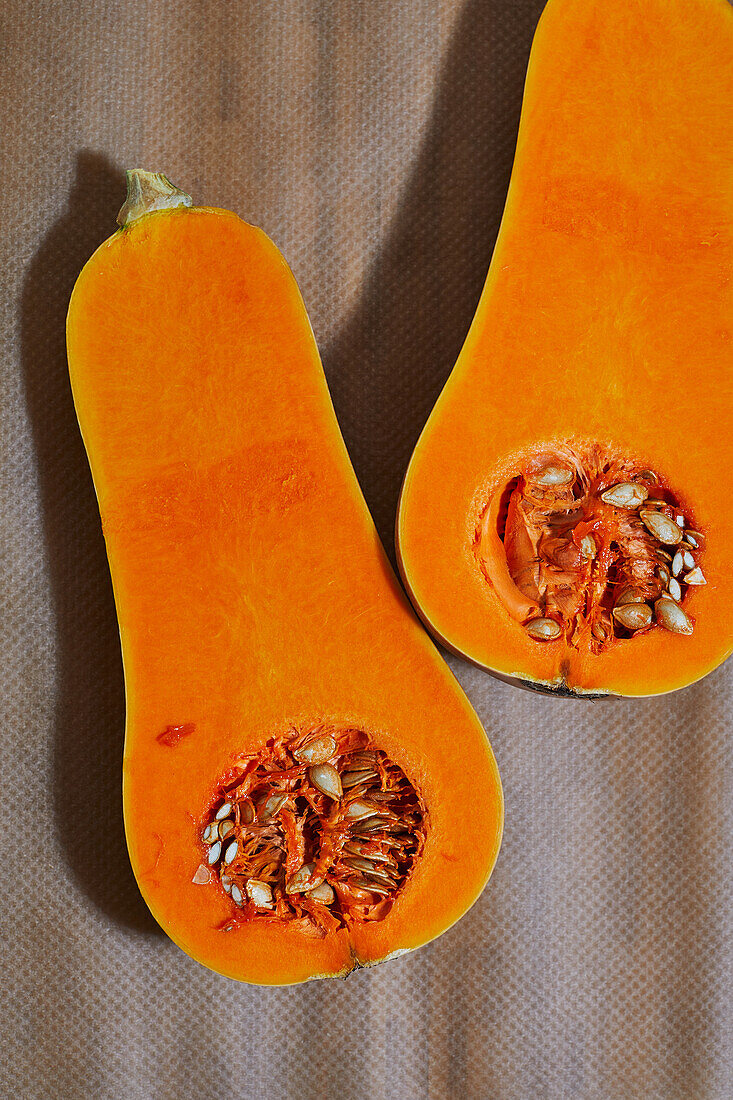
pixel 564 521
pixel 306 788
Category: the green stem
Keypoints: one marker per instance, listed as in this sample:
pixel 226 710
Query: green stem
pixel 148 191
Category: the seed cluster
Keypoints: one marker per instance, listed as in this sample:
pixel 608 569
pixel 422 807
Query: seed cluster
pixel 601 549
pixel 319 829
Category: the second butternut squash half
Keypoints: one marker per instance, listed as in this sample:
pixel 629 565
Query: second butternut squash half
pixel 564 520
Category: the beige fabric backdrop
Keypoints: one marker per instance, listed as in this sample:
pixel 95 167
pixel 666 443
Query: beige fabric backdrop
pixel 373 141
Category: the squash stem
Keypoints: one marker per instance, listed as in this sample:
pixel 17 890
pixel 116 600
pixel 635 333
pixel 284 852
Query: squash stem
pixel 148 191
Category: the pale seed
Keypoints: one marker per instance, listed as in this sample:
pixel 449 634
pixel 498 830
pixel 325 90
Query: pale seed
pixel 629 595
pixel 316 751
pixel 358 809
pixel 672 617
pixel 689 560
pixel 259 893
pixel 695 534
pixel 674 589
pixel 588 547
pixel 662 527
pixel 237 895
pixel 203 874
pixel 690 539
pixel 625 495
pixel 300 882
pixel 231 851
pixel 223 811
pixel 226 828
pixel 543 630
pixel 214 852
pixel 552 475
pixel 322 893
pixel 353 779
pixel 326 779
pixel 226 882
pixel 663 574
pixel 272 805
pixel 634 616
pixel 209 833
pixel 358 863
pixel 680 521
pixel 695 577
pixel 378 875
pixel 678 562
pixel 368 884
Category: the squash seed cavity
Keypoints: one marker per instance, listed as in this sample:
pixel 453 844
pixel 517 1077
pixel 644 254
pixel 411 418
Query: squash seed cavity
pixel 322 830
pixel 597 549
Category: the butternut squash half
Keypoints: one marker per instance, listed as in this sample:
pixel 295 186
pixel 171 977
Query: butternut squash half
pixel 306 788
pixel 564 521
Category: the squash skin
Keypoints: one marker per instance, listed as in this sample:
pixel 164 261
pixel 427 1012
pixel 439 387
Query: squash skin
pixel 251 588
pixel 610 278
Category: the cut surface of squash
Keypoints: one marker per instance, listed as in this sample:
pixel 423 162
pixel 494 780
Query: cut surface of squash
pixel 564 520
pixel 275 675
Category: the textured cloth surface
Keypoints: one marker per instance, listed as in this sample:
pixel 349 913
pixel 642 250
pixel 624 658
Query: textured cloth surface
pixel 373 142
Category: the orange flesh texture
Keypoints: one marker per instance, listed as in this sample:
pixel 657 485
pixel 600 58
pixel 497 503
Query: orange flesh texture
pixel 250 584
pixel 607 316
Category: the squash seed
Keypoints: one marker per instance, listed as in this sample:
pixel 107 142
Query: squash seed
pixel 663 574
pixel 625 495
pixel 688 560
pixel 272 805
pixel 225 828
pixel 301 880
pixel 223 811
pixel 588 547
pixel 236 895
pixel 353 779
pixel 203 874
pixel 634 616
pixel 678 562
pixel 369 884
pixel 690 540
pixel 316 751
pixel 259 893
pixel 552 475
pixel 322 893
pixel 543 630
pixel 231 851
pixel 358 863
pixel 696 576
pixel 661 526
pixel 674 589
pixel 327 780
pixel 629 595
pixel 357 810
pixel 214 852
pixel 672 617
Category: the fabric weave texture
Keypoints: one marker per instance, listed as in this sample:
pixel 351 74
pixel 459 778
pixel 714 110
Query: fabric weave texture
pixel 373 142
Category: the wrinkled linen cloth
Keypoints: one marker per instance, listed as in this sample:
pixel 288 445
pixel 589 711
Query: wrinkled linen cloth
pixel 373 142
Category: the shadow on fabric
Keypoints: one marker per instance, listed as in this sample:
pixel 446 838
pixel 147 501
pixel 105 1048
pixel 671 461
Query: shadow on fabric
pixel 90 709
pixel 389 364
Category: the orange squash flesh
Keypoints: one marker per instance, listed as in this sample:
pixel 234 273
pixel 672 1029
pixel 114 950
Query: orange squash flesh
pixel 251 588
pixel 606 316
